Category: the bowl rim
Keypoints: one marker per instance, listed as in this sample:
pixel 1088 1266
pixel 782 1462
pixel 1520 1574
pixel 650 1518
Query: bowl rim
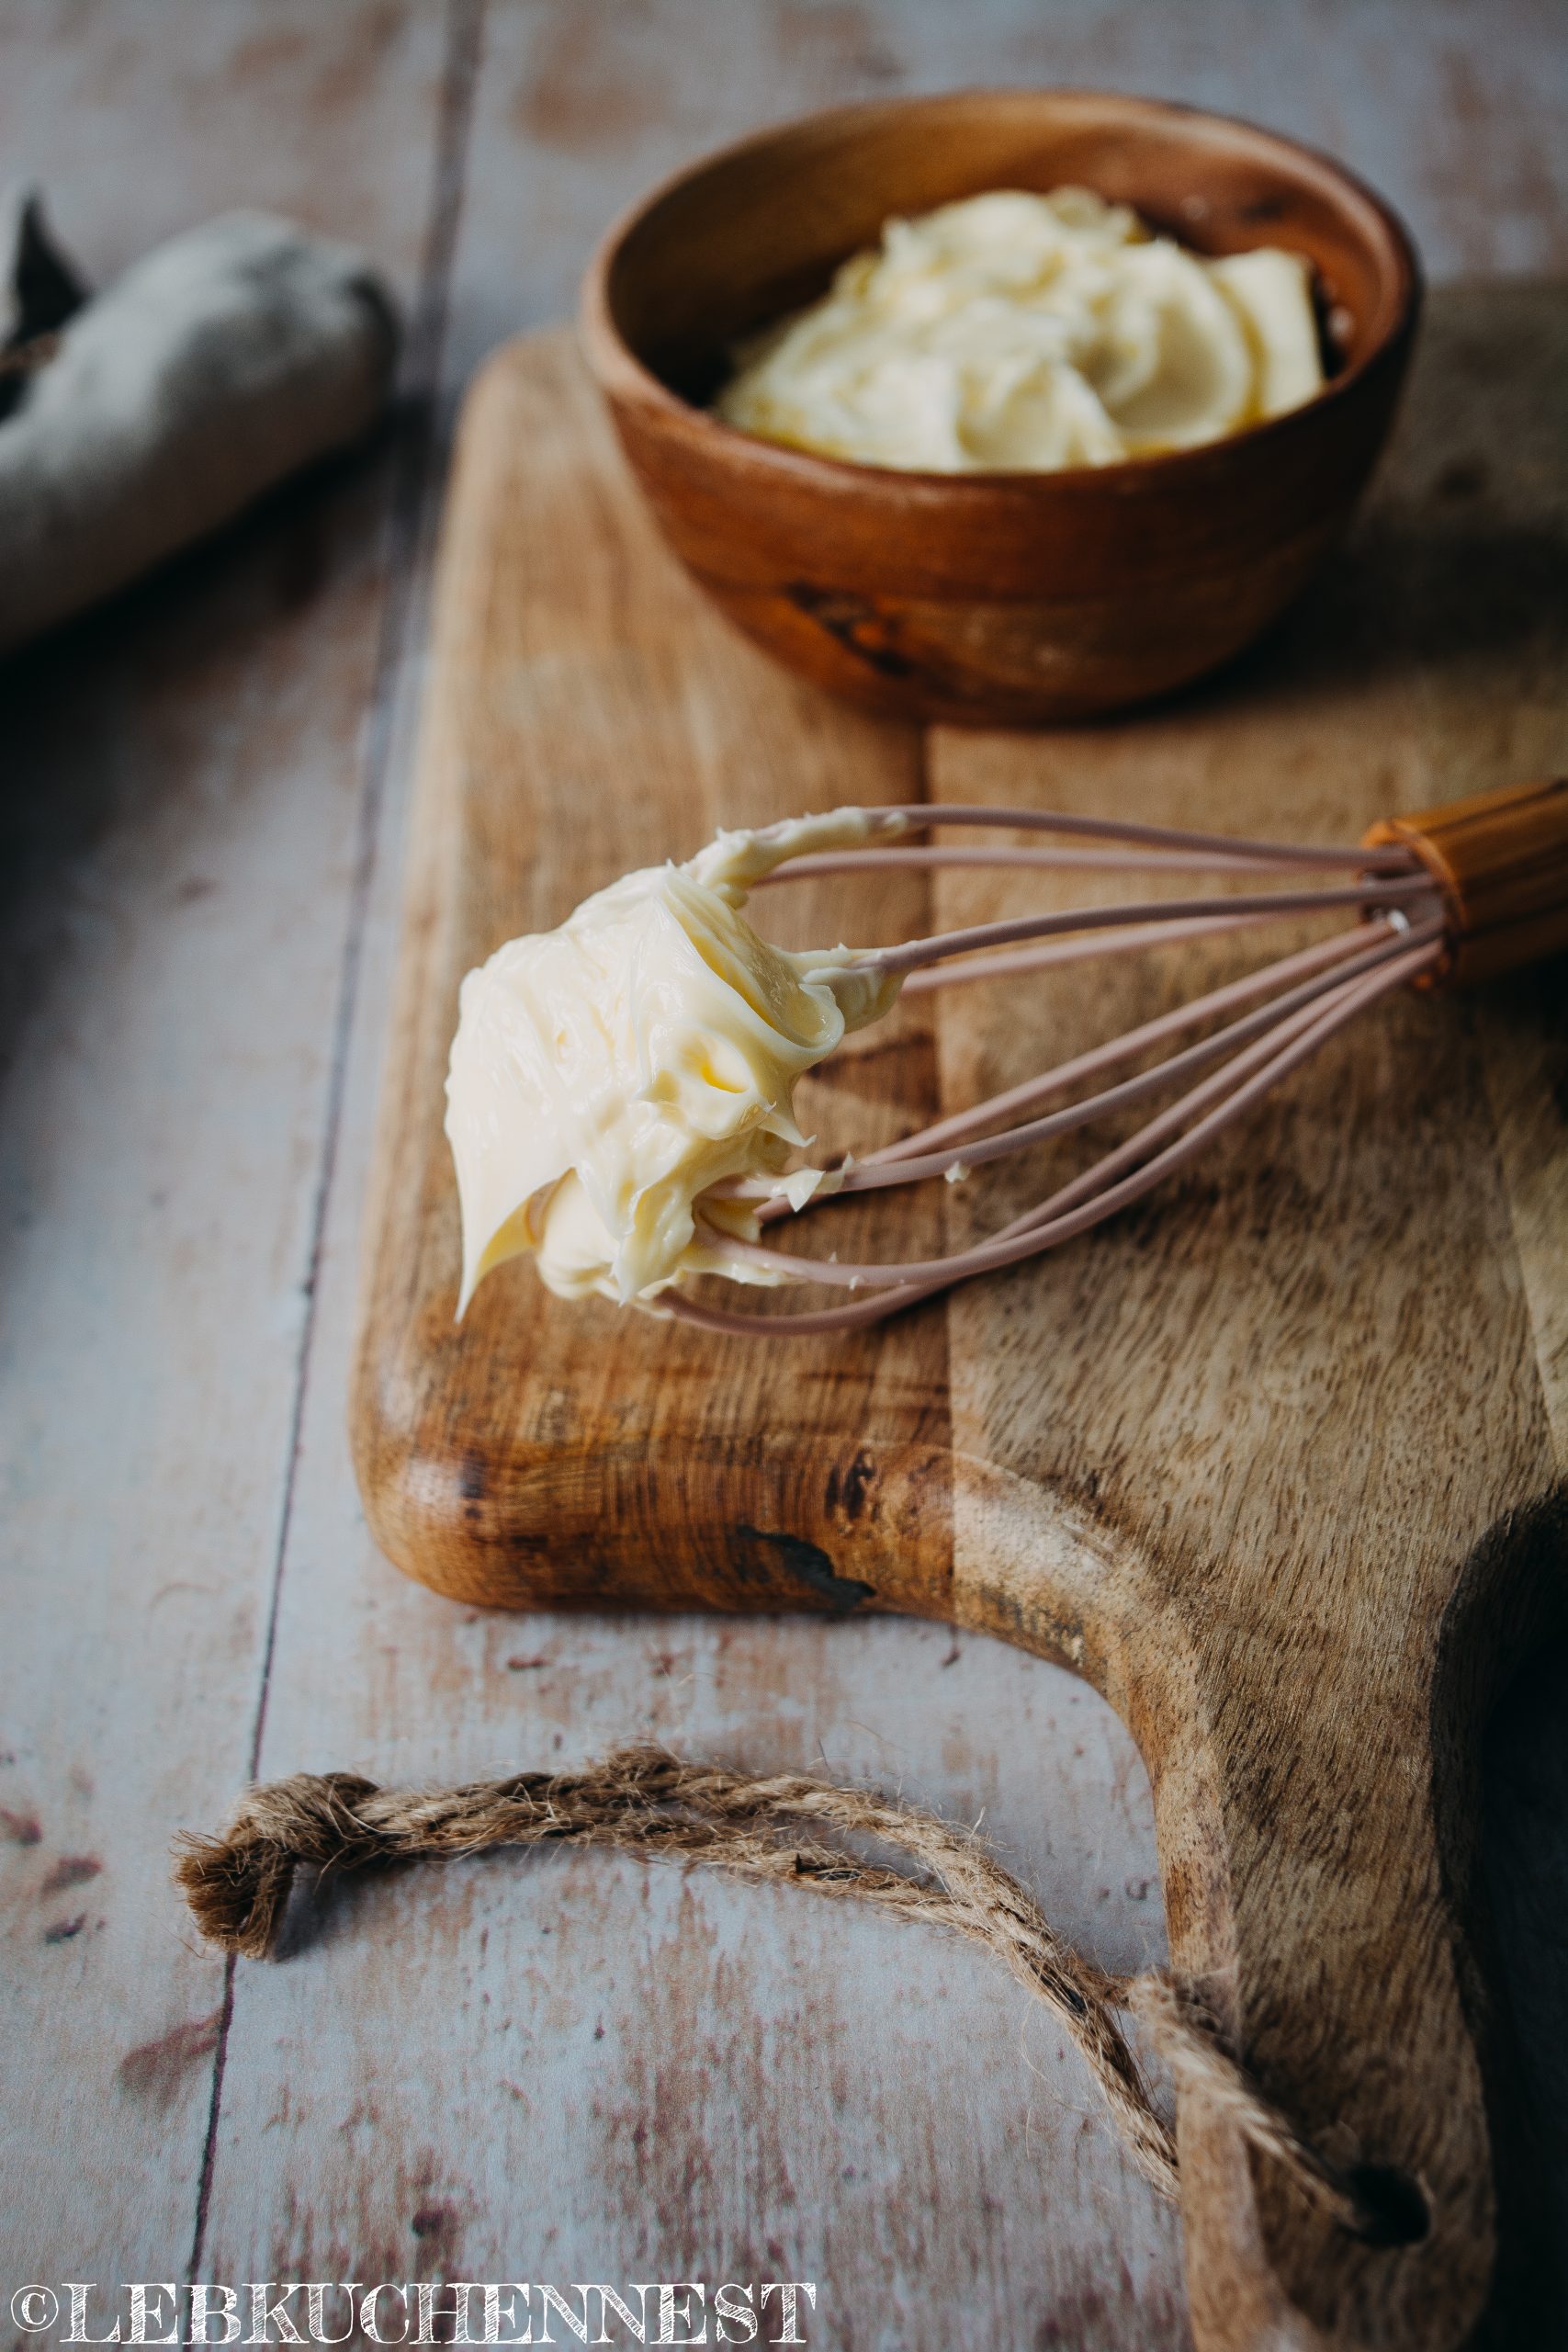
pixel 621 373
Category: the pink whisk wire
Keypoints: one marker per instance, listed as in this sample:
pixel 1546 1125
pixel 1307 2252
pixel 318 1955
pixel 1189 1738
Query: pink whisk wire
pixel 915 953
pixel 1062 1217
pixel 1310 996
pixel 1134 1042
pixel 920 857
pixel 903 1164
pixel 919 816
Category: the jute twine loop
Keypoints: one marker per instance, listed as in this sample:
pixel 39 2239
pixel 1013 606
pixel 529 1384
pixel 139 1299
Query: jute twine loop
pixel 644 1801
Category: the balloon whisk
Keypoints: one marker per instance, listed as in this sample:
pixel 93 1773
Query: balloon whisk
pixel 1461 892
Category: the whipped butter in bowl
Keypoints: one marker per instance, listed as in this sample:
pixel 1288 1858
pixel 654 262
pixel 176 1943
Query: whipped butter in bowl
pixel 1010 332
pixel 1006 407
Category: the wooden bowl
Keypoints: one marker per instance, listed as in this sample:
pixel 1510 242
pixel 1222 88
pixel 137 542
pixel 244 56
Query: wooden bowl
pixel 1001 598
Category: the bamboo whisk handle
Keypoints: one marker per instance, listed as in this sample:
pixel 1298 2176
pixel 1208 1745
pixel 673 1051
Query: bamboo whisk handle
pixel 1501 861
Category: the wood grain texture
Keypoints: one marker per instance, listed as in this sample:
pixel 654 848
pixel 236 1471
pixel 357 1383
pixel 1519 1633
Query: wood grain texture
pixel 141 122
pixel 179 807
pixel 1191 1458
pixel 584 712
pixel 368 2104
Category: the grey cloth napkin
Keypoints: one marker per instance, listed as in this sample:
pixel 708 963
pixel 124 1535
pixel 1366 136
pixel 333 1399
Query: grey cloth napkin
pixel 136 421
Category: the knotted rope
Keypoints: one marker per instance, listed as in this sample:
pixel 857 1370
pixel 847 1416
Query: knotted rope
pixel 643 1801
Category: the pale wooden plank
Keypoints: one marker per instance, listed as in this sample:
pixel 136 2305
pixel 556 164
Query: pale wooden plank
pixel 141 121
pixel 181 802
pixel 1455 114
pixel 556 169
pixel 592 2071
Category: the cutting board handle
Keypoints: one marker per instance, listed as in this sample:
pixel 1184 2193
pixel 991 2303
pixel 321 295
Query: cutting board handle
pixel 1319 1873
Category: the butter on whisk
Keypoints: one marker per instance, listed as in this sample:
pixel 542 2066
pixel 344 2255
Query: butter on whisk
pixel 620 1100
pixel 606 1073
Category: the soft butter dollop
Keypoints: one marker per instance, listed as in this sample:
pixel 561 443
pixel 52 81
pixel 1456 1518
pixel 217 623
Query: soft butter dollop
pixel 605 1074
pixel 1013 331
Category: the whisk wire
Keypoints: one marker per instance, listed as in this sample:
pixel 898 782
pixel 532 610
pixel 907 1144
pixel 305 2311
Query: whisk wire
pixel 1303 1032
pixel 1288 1039
pixel 919 816
pixel 902 1165
pixel 921 857
pixel 914 953
pixel 1135 1041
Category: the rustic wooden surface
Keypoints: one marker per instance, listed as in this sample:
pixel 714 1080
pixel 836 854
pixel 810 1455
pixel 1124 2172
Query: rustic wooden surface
pixel 203 812
pixel 1190 1456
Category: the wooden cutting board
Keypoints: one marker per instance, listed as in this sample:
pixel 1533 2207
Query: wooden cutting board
pixel 1274 1459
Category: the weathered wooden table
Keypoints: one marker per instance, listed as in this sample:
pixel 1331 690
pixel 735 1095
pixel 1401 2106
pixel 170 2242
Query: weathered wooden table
pixel 577 2070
